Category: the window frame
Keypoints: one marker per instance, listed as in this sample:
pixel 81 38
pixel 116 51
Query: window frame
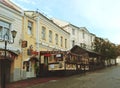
pixel 30 27
pixel 5 28
pixel 73 31
pixel 65 43
pixel 73 43
pixel 43 33
pixel 61 40
pixel 56 39
pixel 50 36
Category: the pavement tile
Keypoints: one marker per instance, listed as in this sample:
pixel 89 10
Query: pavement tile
pixel 30 82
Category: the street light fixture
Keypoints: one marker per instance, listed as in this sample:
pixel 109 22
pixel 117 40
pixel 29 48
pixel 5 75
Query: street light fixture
pixel 3 65
pixel 13 34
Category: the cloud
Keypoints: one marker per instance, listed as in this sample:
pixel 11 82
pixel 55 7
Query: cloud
pixel 25 4
pixel 29 1
pixel 101 17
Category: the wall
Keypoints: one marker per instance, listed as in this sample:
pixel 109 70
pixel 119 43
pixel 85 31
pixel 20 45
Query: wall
pixel 15 19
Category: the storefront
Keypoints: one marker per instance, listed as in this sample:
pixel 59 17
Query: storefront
pixel 31 65
pixel 89 60
pixel 51 61
pixel 6 62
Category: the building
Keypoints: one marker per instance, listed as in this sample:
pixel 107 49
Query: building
pixel 78 35
pixel 10 19
pixel 28 44
pixel 86 38
pixel 44 40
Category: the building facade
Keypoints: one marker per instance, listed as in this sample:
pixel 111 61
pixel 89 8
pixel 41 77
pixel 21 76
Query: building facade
pixel 42 35
pixel 86 39
pixel 41 44
pixel 28 44
pixel 10 19
pixel 78 35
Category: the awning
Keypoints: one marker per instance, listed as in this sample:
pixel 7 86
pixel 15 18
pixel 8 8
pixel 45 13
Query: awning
pixel 27 59
pixel 31 58
pixel 47 55
pixel 16 52
pixel 79 51
pixel 9 54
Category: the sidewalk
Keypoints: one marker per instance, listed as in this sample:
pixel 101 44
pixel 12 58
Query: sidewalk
pixel 30 82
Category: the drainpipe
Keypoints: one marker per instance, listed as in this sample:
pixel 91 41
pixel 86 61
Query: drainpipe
pixel 37 33
pixel 38 37
pixel 22 50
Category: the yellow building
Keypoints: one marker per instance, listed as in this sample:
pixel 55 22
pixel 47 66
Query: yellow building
pixel 41 35
pixel 29 59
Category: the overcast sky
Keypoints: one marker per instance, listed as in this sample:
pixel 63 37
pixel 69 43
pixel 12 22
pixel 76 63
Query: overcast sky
pixel 100 17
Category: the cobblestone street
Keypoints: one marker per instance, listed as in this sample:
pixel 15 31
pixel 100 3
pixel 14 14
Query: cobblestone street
pixel 105 78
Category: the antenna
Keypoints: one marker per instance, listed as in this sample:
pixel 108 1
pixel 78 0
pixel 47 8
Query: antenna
pixel 37 10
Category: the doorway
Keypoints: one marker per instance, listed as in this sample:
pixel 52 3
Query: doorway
pixel 44 67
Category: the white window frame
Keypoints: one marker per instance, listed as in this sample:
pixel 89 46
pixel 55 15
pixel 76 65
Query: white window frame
pixel 30 27
pixel 5 29
pixel 50 36
pixel 73 31
pixel 56 39
pixel 65 43
pixel 73 43
pixel 61 39
pixel 43 33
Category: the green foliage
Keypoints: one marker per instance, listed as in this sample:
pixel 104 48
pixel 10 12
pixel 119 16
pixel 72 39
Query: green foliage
pixel 118 50
pixel 106 48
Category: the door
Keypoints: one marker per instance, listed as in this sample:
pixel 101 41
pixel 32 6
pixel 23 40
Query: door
pixel 5 66
pixel 44 67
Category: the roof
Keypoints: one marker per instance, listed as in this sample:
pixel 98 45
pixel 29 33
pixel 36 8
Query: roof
pixel 79 50
pixel 36 12
pixel 59 22
pixel 84 29
pixel 9 5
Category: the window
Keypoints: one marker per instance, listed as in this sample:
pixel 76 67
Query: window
pixel 91 38
pixel 43 33
pixel 83 35
pixel 1 29
pixel 73 43
pixel 4 29
pixel 30 26
pixel 50 36
pixel 61 41
pixel 56 39
pixel 73 31
pixel 65 43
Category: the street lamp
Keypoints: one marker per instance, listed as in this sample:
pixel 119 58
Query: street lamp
pixel 3 65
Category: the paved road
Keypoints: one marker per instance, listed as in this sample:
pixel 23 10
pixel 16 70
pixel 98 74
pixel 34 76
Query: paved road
pixel 107 78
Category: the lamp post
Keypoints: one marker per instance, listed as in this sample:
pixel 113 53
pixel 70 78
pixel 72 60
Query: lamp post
pixel 3 64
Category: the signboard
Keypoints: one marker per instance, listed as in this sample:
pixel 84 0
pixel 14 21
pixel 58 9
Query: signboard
pixel 58 55
pixel 8 54
pixel 24 44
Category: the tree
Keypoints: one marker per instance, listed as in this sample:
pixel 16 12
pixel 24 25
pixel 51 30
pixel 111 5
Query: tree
pixel 107 49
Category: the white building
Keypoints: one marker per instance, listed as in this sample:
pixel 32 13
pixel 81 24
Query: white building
pixel 11 19
pixel 78 35
pixel 86 38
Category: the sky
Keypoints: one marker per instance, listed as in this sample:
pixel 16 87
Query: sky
pixel 100 17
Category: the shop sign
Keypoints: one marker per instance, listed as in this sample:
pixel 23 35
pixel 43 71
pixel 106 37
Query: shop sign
pixel 8 54
pixel 24 44
pixel 47 55
pixel 34 52
pixel 58 55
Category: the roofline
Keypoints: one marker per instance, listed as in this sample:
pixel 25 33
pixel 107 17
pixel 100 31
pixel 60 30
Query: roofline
pixel 48 20
pixel 71 25
pixel 4 2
